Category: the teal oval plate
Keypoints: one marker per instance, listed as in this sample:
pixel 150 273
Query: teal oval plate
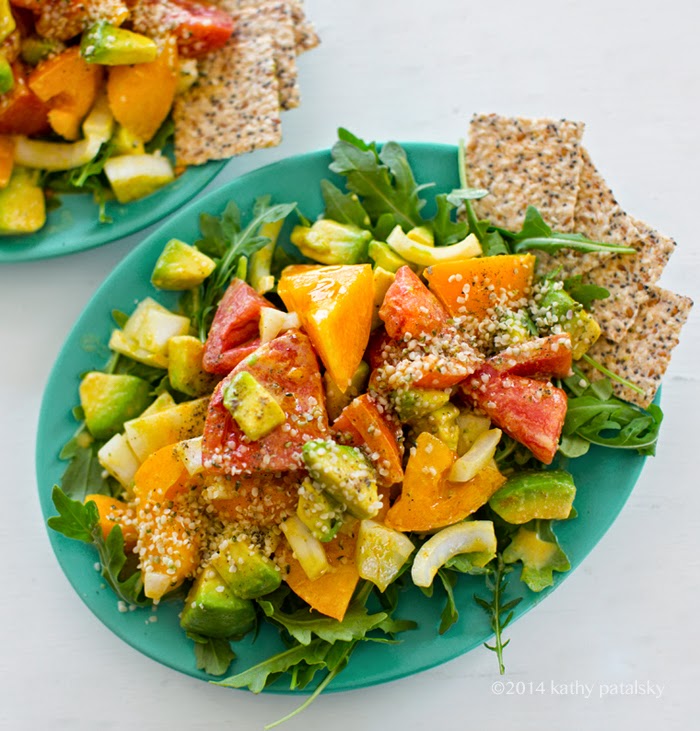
pixel 604 478
pixel 75 225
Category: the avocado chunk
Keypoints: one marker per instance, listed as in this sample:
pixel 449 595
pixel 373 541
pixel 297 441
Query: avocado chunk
pixel 441 423
pixel 246 571
pixel 212 610
pixel 514 327
pixel 319 512
pixel 126 143
pixel 383 279
pixel 135 176
pixel 181 266
pixel 415 403
pixel 252 406
pixel 557 307
pixel 545 494
pixel 185 366
pixel 109 400
pixel 345 474
pixel 22 204
pixel 540 553
pixel 385 257
pixel 336 400
pixel 7 79
pixel 109 45
pixel 330 242
pixel 34 49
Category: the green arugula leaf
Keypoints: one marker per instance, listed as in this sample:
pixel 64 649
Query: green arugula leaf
pixel 165 133
pixel 85 475
pixel 573 446
pixel 584 293
pixel 302 625
pixel 449 614
pixel 226 240
pixel 500 614
pixel 74 520
pixel 214 656
pixel 82 522
pixel 343 207
pixel 598 418
pixel 257 678
pixel 445 230
pixel 385 181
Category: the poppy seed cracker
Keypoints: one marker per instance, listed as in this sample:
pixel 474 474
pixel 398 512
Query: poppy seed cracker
pixel 524 162
pixel 275 20
pixel 234 106
pixel 644 354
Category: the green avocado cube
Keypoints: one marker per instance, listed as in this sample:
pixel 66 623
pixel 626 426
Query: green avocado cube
pixel 109 45
pixel 212 610
pixel 7 20
pixel 22 203
pixel 252 406
pixel 185 370
pixel 181 266
pixel 414 403
pixel 441 423
pixel 7 79
pixel 544 494
pixel 345 474
pixel 330 242
pixel 246 571
pixel 108 400
pixel 385 257
pixel 319 512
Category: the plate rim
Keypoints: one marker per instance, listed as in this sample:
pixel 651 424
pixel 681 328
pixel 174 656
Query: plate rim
pixel 194 208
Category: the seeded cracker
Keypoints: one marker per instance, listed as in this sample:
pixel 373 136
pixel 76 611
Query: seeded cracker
pixel 233 108
pixel 626 278
pixel 305 36
pixel 644 354
pixel 525 162
pixel 275 20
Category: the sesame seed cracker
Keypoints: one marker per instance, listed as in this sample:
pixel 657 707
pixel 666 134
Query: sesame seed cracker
pixel 644 354
pixel 234 106
pixel 525 162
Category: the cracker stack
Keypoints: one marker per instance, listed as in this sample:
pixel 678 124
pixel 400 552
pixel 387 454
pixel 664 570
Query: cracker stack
pixel 236 104
pixel 541 162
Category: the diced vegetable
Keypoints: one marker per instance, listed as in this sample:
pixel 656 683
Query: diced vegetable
pixel 384 257
pixel 469 537
pixel 147 434
pixel 147 332
pixel 135 176
pixel 335 306
pixel 274 322
pixel 345 474
pixel 330 242
pixel 549 356
pixel 108 400
pixel 117 457
pixel 410 309
pixel 185 371
pixel 189 452
pixel 464 287
pixel 21 110
pixel 336 400
pixel 383 279
pixel 563 311
pixel 109 45
pixel 428 500
pixel 540 554
pixel 308 550
pixel 248 573
pixel 470 426
pixel 22 203
pixel 441 423
pixel 252 406
pixel 478 456
pixel 535 494
pixel 414 403
pixel 115 512
pixel 425 255
pixel 319 512
pixel 381 553
pixel 7 78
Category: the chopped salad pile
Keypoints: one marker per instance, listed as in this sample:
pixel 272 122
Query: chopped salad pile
pixel 92 92
pixel 379 400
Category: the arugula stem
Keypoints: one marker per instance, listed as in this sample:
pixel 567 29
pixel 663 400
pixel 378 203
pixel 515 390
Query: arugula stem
pixel 610 374
pixel 552 245
pixel 299 709
pixel 462 166
pixel 497 614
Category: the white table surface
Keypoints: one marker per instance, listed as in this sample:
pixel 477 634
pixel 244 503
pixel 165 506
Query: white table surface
pixel 416 70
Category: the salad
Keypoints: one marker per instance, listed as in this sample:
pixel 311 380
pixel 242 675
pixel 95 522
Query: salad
pixel 375 401
pixel 92 94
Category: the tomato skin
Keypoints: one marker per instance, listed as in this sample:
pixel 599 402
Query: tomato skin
pixel 365 425
pixel 550 356
pixel 198 27
pixel 530 411
pixel 234 331
pixel 21 110
pixel 287 367
pixel 409 307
